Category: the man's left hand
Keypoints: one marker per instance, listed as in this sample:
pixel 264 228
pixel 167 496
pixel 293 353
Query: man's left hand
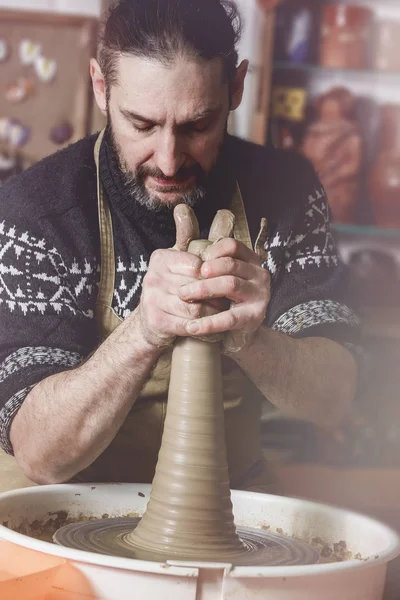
pixel 233 271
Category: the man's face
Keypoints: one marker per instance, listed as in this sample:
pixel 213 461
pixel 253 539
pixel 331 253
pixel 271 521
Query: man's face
pixel 168 123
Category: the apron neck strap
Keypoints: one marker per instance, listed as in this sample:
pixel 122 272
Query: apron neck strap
pixel 107 257
pixel 241 230
pixel 97 147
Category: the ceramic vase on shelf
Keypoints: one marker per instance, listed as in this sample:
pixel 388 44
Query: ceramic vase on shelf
pixel 333 144
pixel 387 46
pixel 346 36
pixel 384 180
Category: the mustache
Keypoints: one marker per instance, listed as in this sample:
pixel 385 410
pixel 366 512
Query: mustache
pixel 181 175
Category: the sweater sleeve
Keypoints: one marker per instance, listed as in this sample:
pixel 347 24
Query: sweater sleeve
pixel 46 315
pixel 308 295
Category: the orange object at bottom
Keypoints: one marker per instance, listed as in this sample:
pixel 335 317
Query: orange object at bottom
pixel 29 575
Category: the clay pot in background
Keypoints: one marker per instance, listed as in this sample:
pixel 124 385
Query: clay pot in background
pixel 384 180
pixel 333 144
pixel 346 36
pixel 387 46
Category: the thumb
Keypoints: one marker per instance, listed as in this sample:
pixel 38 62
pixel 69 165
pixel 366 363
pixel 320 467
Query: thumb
pixel 187 227
pixel 222 226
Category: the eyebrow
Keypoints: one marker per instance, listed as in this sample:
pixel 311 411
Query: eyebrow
pixel 129 114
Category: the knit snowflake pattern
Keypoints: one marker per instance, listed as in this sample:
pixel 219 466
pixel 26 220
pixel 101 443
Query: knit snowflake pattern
pixel 312 245
pixel 34 277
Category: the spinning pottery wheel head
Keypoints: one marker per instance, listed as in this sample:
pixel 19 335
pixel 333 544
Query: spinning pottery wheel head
pixel 258 547
pixel 189 515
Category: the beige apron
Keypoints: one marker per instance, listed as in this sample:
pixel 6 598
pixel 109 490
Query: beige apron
pixel 132 455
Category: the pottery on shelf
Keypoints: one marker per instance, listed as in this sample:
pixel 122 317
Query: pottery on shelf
pixel 387 46
pixel 333 144
pixel 384 180
pixel 346 36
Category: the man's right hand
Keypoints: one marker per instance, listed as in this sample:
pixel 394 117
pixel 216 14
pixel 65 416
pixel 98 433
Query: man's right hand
pixel 161 314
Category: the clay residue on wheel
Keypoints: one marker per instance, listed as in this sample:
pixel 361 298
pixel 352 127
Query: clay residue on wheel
pixel 329 553
pixel 338 552
pixel 44 529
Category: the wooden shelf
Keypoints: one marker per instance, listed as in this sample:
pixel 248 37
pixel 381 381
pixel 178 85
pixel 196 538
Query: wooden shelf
pixel 290 66
pixel 370 231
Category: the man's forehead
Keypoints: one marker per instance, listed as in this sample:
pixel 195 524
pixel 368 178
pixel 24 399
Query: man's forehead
pixel 192 86
pixel 143 64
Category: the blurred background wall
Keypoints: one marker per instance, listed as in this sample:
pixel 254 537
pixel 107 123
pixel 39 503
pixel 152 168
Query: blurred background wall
pixel 87 7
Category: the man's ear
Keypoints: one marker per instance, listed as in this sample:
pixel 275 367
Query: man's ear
pixel 99 85
pixel 238 84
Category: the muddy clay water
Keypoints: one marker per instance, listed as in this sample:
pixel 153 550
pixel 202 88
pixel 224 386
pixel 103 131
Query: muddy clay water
pixel 45 529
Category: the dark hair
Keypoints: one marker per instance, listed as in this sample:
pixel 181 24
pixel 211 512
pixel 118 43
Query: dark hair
pixel 163 29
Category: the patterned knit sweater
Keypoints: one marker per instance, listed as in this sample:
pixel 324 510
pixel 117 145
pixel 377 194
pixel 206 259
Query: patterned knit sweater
pixel 50 264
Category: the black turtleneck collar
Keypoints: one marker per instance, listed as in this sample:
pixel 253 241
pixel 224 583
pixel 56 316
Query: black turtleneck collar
pixel 158 227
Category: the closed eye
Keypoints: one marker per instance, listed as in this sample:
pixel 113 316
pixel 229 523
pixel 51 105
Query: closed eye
pixel 197 126
pixel 200 127
pixel 143 128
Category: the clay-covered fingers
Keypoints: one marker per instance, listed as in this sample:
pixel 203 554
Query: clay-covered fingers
pixel 228 278
pixel 238 317
pixel 222 226
pixel 163 314
pixel 169 262
pixel 164 329
pixel 175 307
pixel 246 285
pixel 234 288
pixel 187 227
pixel 220 267
pixel 230 248
pixel 249 302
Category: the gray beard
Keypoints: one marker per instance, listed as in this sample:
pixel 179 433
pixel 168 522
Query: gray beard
pixel 136 189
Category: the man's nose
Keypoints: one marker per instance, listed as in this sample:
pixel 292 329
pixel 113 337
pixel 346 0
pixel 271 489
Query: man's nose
pixel 169 155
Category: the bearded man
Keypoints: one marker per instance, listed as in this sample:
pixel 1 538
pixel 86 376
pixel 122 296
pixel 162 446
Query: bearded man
pixel 96 282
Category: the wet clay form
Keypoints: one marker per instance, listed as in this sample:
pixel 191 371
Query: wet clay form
pixel 189 515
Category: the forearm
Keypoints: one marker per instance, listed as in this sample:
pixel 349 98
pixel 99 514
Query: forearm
pixel 69 419
pixel 313 378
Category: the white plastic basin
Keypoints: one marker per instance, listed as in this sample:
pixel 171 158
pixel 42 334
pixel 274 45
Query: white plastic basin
pixel 115 578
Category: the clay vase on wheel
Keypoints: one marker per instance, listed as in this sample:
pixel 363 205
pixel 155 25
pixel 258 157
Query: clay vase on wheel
pixel 189 514
pixel 384 180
